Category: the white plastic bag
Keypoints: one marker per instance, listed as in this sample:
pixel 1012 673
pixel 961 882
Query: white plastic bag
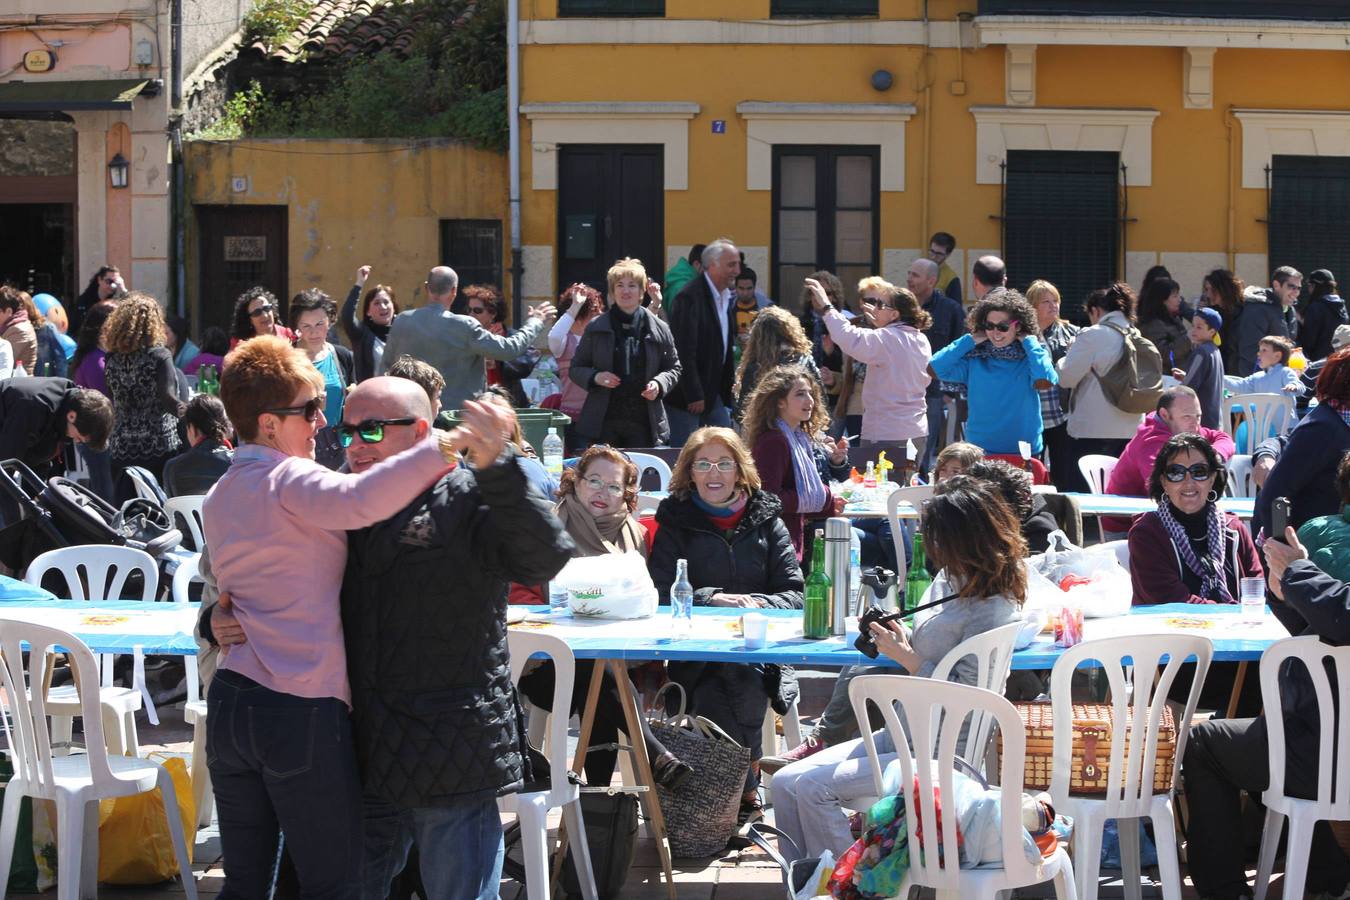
pixel 609 586
pixel 1108 590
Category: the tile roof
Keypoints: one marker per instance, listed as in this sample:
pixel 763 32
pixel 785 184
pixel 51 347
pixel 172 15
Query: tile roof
pixel 339 29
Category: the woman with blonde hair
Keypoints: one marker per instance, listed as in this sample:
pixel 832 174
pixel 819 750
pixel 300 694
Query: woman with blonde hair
pixel 776 339
pixel 1058 335
pixel 143 385
pixel 626 362
pixel 897 355
pixel 720 520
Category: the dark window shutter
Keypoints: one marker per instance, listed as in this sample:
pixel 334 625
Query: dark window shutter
pixel 611 7
pixel 823 8
pixel 1309 214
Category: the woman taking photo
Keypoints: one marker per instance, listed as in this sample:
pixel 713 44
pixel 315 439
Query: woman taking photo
pixel 973 537
pixel 369 329
pixel 1163 320
pixel 311 316
pixel 785 421
pixel 776 339
pixel 1187 551
pixel 255 314
pixel 596 504
pixel 583 303
pixel 143 385
pixel 897 356
pixel 279 737
pixel 626 362
pixel 740 555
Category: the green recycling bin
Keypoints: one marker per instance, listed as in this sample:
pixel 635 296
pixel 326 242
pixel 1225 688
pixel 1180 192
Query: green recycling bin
pixel 534 424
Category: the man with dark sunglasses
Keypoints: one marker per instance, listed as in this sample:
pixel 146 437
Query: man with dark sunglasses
pixel 437 727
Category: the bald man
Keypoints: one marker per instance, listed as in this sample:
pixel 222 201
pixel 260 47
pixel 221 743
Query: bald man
pixel 435 720
pixel 457 346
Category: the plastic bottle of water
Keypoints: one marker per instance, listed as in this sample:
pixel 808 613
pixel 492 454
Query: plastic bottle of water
pixel 553 454
pixel 854 574
pixel 681 602
pixel 557 599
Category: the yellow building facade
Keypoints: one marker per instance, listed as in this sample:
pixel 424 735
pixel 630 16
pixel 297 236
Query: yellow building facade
pixel 1083 148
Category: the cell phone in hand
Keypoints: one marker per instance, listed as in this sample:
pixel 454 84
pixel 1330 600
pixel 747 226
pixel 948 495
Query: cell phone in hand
pixel 1279 517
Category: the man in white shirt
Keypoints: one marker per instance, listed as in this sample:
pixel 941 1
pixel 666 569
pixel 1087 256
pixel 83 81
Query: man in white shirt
pixel 700 318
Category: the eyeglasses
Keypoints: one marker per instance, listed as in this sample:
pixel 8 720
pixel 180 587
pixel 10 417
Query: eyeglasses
pixel 263 310
pixel 1000 327
pixel 310 410
pixel 370 431
pixel 595 483
pixel 877 304
pixel 1177 472
pixel 703 466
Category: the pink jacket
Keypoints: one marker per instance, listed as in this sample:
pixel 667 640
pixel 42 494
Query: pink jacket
pixel 1130 476
pixel 897 357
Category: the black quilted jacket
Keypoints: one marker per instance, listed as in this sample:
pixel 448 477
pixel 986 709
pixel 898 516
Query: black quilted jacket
pixel 423 609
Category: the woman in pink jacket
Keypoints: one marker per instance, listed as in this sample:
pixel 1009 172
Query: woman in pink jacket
pixel 897 357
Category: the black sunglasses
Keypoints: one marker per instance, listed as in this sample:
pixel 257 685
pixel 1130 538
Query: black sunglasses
pixel 262 310
pixel 371 431
pixel 310 410
pixel 477 310
pixel 1000 327
pixel 1177 472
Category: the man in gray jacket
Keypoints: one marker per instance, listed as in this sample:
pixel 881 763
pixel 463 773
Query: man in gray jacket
pixel 456 345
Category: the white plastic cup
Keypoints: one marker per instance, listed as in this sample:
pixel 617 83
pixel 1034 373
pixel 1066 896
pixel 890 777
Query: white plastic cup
pixel 1252 595
pixel 756 627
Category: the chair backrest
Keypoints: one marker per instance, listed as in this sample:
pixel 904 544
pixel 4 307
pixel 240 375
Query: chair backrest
pixel 97 572
pixel 992 653
pixel 29 740
pixel 522 646
pixel 916 496
pixel 1266 414
pixel 1096 470
pixel 1240 483
pixel 647 462
pixel 1333 742
pixel 188 571
pixel 647 504
pixel 1137 701
pixel 147 486
pixel 928 705
pixel 188 508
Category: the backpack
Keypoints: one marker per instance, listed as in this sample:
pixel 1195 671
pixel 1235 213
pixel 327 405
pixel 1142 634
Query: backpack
pixel 1134 382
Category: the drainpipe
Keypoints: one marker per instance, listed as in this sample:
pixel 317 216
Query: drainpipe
pixel 177 211
pixel 1229 121
pixel 513 164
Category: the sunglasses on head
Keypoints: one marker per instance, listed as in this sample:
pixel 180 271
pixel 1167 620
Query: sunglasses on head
pixel 1177 472
pixel 370 431
pixel 263 310
pixel 1000 327
pixel 310 410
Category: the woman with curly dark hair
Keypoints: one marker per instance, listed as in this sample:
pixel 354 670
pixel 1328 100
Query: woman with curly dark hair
pixel 1003 365
pixel 1223 291
pixel 143 385
pixel 785 422
pixel 257 312
pixel 484 303
pixel 105 284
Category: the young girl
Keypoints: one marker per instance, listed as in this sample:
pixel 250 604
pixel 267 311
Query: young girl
pixel 1204 371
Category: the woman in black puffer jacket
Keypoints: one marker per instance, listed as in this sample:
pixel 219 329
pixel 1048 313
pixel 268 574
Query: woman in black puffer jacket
pixel 740 555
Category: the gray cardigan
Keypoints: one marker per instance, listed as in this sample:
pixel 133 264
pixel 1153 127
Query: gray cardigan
pixel 456 346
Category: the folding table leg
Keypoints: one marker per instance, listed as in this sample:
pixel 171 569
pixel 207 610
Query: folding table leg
pixel 1238 680
pixel 656 820
pixel 578 761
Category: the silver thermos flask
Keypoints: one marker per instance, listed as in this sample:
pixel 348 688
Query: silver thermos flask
pixel 838 538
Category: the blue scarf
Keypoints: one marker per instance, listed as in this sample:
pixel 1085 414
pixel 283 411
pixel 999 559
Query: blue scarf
pixel 811 494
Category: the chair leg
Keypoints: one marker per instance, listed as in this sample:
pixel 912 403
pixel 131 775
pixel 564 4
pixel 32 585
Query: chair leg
pixel 69 847
pixel 1296 854
pixel 581 853
pixel 9 828
pixel 1270 844
pixel 114 732
pixel 1065 889
pixel 131 739
pixel 202 798
pixel 534 843
pixel 1087 855
pixel 178 833
pixel 1130 874
pixel 792 726
pixel 1165 840
pixel 89 859
pixel 63 732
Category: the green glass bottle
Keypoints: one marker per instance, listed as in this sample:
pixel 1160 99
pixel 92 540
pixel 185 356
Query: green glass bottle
pixel 917 579
pixel 816 609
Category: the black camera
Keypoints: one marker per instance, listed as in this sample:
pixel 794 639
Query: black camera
pixel 866 644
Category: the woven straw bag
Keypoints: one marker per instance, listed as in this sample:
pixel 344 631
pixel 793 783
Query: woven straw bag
pixel 701 812
pixel 1092 738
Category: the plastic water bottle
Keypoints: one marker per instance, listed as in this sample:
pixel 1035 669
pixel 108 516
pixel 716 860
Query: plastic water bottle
pixel 553 454
pixel 681 602
pixel 854 574
pixel 557 599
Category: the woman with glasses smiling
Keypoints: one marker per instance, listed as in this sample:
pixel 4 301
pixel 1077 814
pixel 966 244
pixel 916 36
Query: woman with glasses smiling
pixel 255 314
pixel 312 315
pixel 1187 551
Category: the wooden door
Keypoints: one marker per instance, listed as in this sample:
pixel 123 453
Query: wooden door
pixel 611 204
pixel 238 247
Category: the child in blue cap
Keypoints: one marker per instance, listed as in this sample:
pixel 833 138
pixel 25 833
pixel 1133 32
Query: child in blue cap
pixel 1204 370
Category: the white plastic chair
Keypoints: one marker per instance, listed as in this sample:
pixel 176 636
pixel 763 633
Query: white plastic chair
pixel 147 488
pixel 646 461
pixel 93 573
pixel 1240 483
pixel 927 703
pixel 194 709
pixel 1265 413
pixel 532 808
pixel 916 496
pixel 647 504
pixel 1096 470
pixel 75 783
pixel 1333 759
pixel 768 741
pixel 188 508
pixel 1130 795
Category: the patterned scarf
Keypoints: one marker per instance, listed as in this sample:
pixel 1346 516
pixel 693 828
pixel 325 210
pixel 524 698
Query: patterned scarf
pixel 811 494
pixel 987 350
pixel 1345 414
pixel 1211 568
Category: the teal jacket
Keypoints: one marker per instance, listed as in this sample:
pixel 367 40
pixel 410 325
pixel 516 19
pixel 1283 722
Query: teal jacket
pixel 1327 539
pixel 1004 405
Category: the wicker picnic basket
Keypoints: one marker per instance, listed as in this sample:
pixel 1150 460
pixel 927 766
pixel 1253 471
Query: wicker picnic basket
pixel 1091 747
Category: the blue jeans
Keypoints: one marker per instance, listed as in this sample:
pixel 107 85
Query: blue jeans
pixel 937 432
pixel 281 763
pixel 684 423
pixel 459 848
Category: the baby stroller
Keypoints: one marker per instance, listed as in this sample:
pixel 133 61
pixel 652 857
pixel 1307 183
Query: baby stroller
pixel 38 517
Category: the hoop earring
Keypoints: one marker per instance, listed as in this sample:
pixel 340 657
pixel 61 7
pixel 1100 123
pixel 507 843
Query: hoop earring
pixel 1213 496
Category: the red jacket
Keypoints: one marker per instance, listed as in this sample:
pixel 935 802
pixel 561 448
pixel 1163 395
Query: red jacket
pixel 773 459
pixel 1130 476
pixel 1159 576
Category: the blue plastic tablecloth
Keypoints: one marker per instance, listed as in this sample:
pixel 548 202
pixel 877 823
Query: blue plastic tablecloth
pixel 164 628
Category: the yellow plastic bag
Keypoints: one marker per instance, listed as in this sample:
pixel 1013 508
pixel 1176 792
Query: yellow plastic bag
pixel 134 843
